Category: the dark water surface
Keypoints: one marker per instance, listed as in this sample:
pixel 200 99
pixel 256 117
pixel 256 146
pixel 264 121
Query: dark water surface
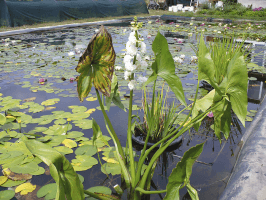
pixel 37 53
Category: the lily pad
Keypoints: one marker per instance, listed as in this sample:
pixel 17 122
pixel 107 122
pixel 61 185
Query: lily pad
pixel 88 150
pixel 64 150
pixel 48 191
pixel 111 168
pixel 83 162
pixel 7 194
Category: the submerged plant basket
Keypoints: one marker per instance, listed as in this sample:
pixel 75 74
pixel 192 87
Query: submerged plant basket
pixel 139 140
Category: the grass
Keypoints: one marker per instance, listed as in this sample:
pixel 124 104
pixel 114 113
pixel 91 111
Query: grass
pixel 151 13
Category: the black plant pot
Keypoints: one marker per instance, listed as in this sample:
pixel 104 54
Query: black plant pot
pixel 140 141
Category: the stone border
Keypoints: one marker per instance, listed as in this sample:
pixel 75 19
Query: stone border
pixel 248 177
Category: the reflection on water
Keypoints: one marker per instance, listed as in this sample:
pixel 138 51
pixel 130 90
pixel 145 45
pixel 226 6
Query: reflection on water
pixel 215 163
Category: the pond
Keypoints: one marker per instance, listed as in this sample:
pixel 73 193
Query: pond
pixel 48 104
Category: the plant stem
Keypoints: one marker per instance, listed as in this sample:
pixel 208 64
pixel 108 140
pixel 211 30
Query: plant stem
pixel 129 140
pixel 150 192
pixel 121 152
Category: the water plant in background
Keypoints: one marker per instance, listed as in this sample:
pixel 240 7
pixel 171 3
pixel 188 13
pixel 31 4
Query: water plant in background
pixel 159 118
pixel 96 67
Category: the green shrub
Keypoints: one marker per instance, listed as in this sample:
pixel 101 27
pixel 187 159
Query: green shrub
pixel 217 12
pixel 203 11
pixel 210 12
pixel 252 13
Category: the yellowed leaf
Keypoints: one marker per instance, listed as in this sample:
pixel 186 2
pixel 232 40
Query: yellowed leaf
pixel 69 143
pixel 3 179
pixel 10 117
pixel 6 171
pixel 50 108
pixel 25 188
pixel 91 99
pixel 90 111
pixel 30 99
pixel 110 160
pixel 1 94
pixel 34 90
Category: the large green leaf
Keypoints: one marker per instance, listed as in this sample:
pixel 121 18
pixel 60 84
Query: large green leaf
pixel 202 105
pixel 206 67
pixel 236 87
pixel 68 183
pixel 164 67
pixel 182 173
pixel 96 64
pixel 218 113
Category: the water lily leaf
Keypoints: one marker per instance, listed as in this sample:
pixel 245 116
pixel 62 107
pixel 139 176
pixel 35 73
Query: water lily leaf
pixel 25 188
pixel 16 176
pixel 60 121
pixel 2 119
pixel 99 189
pixel 11 157
pixel 10 183
pixel 90 111
pixel 56 140
pixel 50 102
pixel 25 168
pixel 91 99
pixel 83 162
pixel 50 108
pixel 69 143
pixel 74 134
pixel 7 194
pixel 40 171
pixel 3 179
pixel 78 109
pixel 96 65
pixel 111 168
pixel 88 150
pixel 29 99
pixel 63 150
pixel 48 191
pixel 110 160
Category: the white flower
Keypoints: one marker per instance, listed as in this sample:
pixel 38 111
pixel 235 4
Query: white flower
pixel 125 30
pixel 131 84
pixel 148 36
pixel 193 58
pixel 143 63
pixel 225 25
pixel 131 48
pixel 143 47
pixel 220 24
pixel 118 67
pixel 147 58
pixel 219 32
pixel 7 39
pixel 191 24
pixel 127 74
pixel 142 79
pixel 130 67
pixel 13 41
pixel 138 57
pixel 71 53
pixel 177 59
pixel 132 38
pixel 182 56
pixel 214 31
pixel 128 58
pixel 77 50
pixel 6 44
pixel 96 30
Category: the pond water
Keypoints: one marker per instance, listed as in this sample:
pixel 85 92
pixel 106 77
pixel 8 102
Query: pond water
pixel 53 55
